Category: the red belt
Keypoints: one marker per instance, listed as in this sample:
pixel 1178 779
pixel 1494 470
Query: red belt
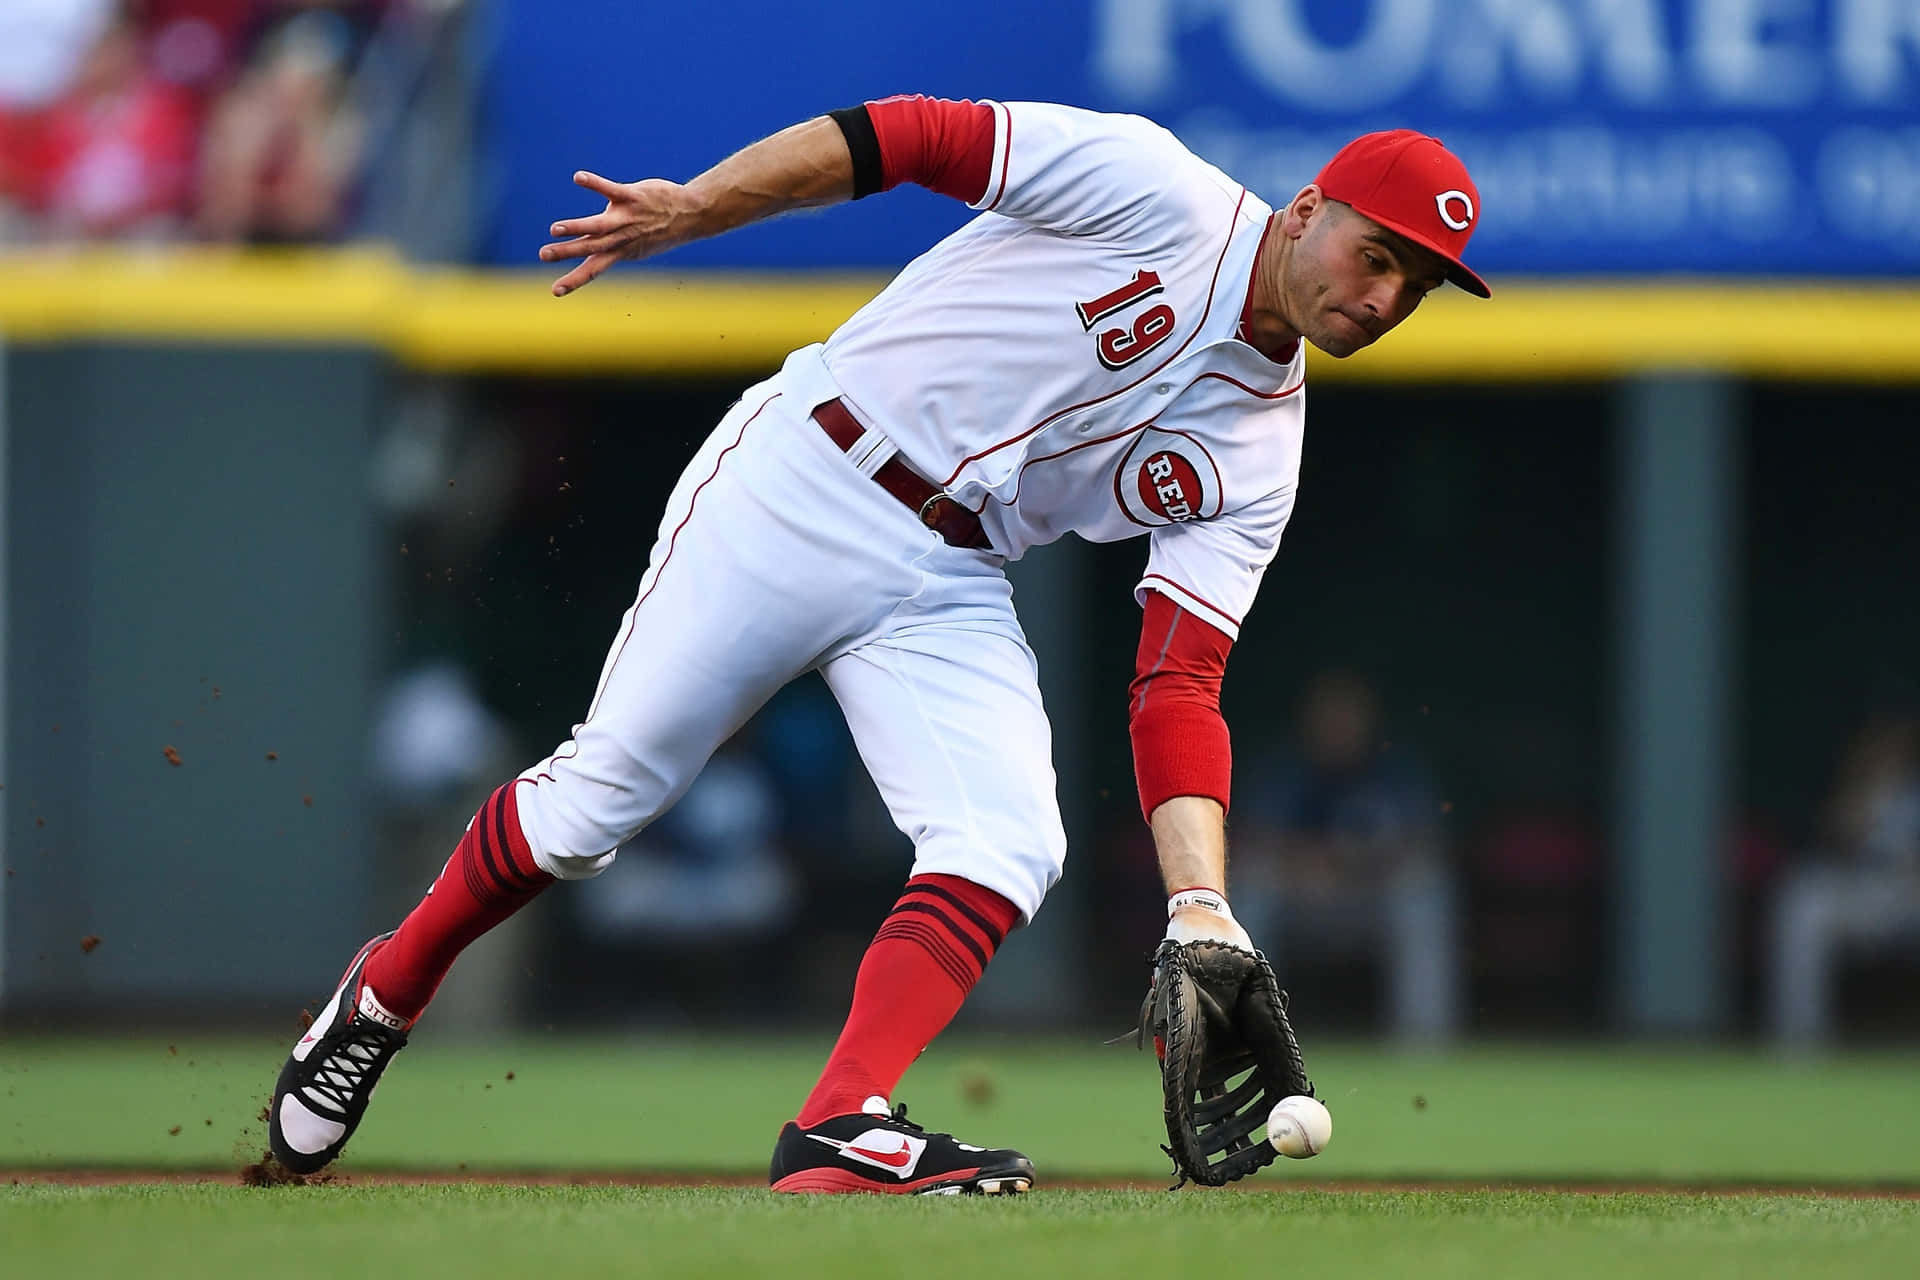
pixel 940 513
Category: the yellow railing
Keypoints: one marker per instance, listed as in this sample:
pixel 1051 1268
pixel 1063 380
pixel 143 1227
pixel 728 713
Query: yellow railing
pixel 655 322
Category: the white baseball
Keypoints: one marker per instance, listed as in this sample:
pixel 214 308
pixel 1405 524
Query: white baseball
pixel 1299 1127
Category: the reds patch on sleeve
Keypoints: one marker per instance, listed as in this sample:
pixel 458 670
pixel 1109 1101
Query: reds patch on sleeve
pixel 1167 478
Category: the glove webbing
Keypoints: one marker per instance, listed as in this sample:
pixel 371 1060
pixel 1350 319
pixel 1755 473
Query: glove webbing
pixel 1206 1046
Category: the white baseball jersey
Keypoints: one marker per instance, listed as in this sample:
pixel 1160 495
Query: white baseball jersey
pixel 1067 362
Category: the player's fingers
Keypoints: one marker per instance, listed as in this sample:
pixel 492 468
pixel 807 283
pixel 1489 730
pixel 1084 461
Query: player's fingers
pixel 594 182
pixel 580 247
pixel 591 224
pixel 582 275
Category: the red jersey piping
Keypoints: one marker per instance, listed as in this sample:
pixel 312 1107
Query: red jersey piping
pixel 1212 288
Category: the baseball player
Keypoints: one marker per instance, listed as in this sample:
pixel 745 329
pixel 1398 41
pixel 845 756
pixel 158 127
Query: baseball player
pixel 1112 348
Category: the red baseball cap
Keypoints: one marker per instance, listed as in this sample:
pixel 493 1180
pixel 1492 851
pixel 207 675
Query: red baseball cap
pixel 1413 186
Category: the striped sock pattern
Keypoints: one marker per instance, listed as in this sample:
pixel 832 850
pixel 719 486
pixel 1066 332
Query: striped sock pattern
pixel 494 858
pixel 929 952
pixel 959 937
pixel 490 876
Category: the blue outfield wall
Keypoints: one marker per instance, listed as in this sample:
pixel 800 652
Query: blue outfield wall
pixel 1762 137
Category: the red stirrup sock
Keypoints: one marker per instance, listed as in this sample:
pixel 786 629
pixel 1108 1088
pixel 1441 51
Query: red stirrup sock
pixel 490 876
pixel 917 972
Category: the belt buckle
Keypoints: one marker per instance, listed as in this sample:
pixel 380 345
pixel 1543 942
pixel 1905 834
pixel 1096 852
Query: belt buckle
pixel 927 516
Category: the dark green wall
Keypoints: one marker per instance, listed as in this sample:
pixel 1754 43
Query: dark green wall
pixel 188 540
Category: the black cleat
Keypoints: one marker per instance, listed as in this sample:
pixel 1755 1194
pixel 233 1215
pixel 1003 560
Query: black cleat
pixel 323 1090
pixel 887 1154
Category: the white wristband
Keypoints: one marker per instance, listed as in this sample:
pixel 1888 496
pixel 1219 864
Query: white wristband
pixel 1206 899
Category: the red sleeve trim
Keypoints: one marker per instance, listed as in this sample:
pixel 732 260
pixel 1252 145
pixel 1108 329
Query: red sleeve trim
pixel 1181 746
pixel 935 143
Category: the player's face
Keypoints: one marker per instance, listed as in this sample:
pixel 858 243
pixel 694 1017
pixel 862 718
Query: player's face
pixel 1349 279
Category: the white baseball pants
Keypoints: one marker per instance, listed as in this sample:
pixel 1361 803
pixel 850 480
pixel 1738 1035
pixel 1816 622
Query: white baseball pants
pixel 777 556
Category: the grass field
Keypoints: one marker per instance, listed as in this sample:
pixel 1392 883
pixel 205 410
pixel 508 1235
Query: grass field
pixel 1454 1164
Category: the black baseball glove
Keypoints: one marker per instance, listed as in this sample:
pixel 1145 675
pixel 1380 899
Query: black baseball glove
pixel 1227 1053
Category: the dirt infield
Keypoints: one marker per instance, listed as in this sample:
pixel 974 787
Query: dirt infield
pixel 113 1176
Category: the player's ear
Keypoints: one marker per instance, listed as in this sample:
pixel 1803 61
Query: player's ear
pixel 1308 204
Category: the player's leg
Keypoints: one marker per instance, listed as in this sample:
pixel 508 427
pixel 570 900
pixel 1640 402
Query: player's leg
pixel 713 631
pixel 747 585
pixel 947 715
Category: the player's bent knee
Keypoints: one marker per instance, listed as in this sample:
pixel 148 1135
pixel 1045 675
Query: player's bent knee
pixel 576 850
pixel 1021 875
pixel 568 841
pixel 571 866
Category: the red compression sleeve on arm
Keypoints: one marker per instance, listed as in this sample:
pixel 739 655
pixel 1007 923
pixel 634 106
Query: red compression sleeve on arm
pixel 936 143
pixel 1180 741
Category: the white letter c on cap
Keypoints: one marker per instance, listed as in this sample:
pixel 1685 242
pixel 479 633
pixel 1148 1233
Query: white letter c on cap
pixel 1446 216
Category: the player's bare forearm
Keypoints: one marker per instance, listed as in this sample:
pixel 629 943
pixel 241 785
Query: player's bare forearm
pixel 1189 834
pixel 805 166
pixel 1190 837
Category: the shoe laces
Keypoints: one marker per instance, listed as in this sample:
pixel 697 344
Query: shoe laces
pixel 899 1117
pixel 361 1053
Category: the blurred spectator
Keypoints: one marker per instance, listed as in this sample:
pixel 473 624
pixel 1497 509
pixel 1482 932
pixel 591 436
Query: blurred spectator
pixel 432 737
pixel 284 143
pixel 1862 886
pixel 197 44
pixel 1336 847
pixel 109 154
pixel 237 120
pixel 42 43
pixel 1875 812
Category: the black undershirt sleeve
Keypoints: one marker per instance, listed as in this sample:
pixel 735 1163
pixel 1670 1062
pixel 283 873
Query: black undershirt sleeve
pixel 864 144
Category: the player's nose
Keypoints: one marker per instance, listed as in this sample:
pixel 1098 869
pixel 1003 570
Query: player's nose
pixel 1374 307
pixel 1384 296
pixel 1390 301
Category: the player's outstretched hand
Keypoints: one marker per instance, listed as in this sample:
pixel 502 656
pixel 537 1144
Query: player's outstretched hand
pixel 641 219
